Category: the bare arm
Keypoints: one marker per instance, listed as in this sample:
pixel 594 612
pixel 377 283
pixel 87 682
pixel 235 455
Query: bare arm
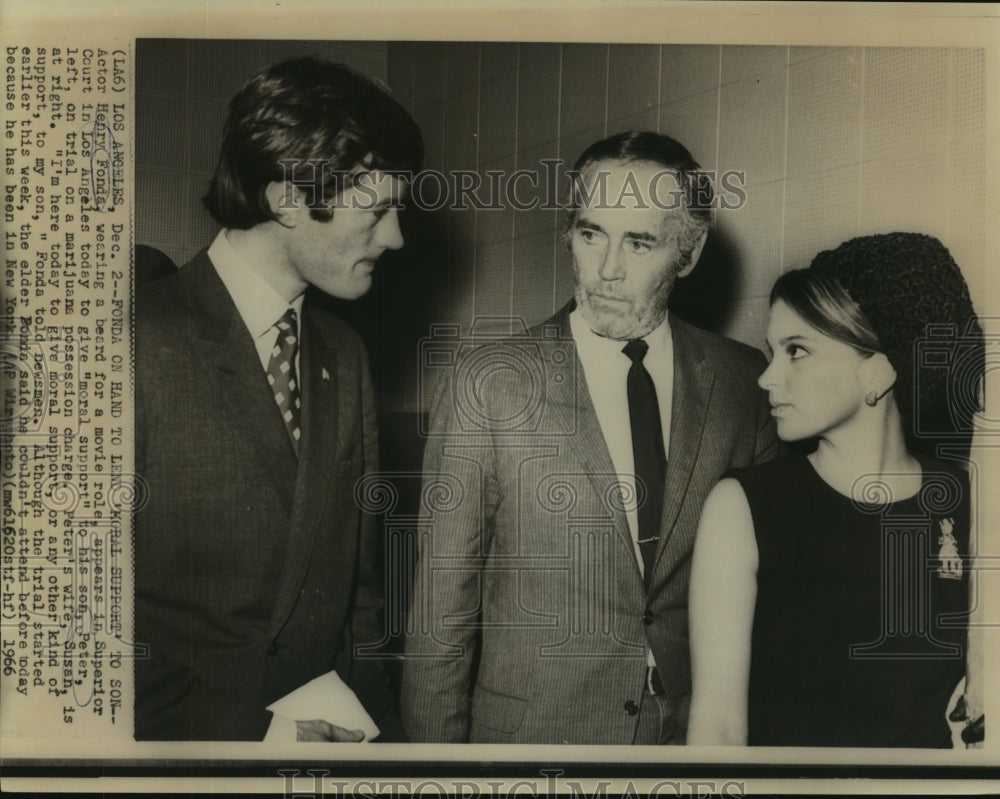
pixel 723 594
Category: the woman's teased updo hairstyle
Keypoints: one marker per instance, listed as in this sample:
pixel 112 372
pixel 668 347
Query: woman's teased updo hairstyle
pixel 901 294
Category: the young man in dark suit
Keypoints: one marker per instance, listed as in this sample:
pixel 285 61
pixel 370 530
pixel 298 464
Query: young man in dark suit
pixel 255 418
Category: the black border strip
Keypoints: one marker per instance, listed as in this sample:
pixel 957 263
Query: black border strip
pixel 479 771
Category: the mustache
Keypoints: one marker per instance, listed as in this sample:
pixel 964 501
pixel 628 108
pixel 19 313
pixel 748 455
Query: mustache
pixel 608 296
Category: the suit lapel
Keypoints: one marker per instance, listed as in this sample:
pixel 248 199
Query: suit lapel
pixel 322 414
pixel 573 407
pixel 692 394
pixel 223 344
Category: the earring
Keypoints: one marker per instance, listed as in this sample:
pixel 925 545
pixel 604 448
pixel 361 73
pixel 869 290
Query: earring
pixel 871 399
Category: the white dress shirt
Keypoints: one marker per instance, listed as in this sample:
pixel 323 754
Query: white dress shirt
pixel 259 305
pixel 605 368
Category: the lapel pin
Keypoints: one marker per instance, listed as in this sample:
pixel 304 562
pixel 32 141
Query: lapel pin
pixel 326 374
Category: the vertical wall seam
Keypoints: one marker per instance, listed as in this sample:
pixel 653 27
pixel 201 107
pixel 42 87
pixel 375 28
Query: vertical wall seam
pixel 784 158
pixel 861 135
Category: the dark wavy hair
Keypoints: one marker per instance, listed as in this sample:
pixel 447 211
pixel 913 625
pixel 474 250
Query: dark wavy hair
pixel 657 148
pixel 901 294
pixel 311 121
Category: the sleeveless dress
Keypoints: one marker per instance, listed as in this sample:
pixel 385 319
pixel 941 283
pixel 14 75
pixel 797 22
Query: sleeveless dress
pixel 860 621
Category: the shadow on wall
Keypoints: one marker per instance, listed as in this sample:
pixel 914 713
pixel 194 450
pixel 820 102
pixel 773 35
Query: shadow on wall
pixel 410 292
pixel 706 297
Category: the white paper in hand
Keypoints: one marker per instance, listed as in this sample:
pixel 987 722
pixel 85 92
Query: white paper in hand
pixel 327 698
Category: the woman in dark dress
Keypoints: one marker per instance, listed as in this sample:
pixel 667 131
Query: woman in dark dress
pixel 829 590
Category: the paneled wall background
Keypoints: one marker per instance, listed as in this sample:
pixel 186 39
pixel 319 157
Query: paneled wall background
pixel 832 143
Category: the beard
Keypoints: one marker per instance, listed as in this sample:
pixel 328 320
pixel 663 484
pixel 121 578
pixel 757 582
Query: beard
pixel 625 319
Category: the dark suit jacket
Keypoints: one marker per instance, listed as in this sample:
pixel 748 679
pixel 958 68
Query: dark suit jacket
pixel 254 572
pixel 530 620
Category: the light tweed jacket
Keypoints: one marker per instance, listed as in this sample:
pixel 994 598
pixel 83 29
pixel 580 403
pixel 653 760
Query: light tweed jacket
pixel 530 620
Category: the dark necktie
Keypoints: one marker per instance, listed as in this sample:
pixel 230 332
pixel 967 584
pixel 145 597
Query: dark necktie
pixel 647 446
pixel 281 375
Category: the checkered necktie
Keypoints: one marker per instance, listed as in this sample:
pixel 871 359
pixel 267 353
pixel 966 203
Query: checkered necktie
pixel 281 375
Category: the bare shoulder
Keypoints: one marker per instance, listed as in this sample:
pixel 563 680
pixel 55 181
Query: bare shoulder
pixel 727 499
pixel 726 521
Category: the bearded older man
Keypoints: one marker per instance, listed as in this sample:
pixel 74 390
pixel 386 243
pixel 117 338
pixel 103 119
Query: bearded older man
pixel 564 476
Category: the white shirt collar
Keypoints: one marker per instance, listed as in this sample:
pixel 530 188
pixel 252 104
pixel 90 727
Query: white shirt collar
pixel 659 340
pixel 259 305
